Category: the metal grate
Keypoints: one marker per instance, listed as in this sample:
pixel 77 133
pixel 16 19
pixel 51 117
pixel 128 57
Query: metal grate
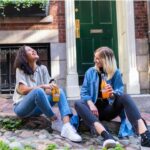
pixel 7 57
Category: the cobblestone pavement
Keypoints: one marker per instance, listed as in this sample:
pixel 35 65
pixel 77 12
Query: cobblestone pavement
pixel 39 139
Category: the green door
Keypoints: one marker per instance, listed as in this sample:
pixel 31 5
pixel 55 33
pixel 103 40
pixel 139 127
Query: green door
pixel 95 27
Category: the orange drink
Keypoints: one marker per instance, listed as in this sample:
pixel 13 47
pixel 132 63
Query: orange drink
pixel 55 94
pixel 105 94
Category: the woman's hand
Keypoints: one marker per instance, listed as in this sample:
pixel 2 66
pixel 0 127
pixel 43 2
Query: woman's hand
pixel 109 90
pixel 44 86
pixel 48 86
pixel 53 85
pixel 93 108
pixel 23 89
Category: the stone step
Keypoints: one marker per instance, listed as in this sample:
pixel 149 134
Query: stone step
pixel 142 101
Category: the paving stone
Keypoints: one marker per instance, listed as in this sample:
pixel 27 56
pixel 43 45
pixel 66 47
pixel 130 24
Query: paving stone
pixel 43 136
pixel 68 145
pixel 124 142
pixel 39 137
pixel 26 134
pixel 16 144
pixel 144 148
pixel 41 147
pixel 12 139
pixel 133 147
pixel 8 134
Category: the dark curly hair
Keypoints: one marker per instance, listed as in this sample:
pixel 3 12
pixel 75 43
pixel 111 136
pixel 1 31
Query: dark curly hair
pixel 21 61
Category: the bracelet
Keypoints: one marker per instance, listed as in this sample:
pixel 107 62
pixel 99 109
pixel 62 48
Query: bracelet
pixel 52 80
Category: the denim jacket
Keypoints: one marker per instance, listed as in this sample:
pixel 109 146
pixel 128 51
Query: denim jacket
pixel 89 91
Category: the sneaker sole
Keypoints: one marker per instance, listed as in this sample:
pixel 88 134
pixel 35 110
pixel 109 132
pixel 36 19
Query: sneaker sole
pixel 77 141
pixel 109 144
pixel 145 148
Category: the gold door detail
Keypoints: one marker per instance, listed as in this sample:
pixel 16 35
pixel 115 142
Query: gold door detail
pixel 77 23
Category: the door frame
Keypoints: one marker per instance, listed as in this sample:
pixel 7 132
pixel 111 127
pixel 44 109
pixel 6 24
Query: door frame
pixel 126 46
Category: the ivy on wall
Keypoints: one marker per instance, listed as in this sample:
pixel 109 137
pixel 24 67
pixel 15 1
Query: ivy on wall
pixel 18 5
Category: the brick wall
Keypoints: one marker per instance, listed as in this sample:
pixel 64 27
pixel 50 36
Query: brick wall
pixel 142 46
pixel 57 10
pixel 141 21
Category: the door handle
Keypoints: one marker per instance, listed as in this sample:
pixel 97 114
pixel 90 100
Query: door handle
pixel 96 31
pixel 77 24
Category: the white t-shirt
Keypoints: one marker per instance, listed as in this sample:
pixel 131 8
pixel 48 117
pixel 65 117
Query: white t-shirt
pixel 40 76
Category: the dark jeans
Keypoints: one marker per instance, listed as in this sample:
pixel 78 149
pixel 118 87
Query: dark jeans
pixel 108 112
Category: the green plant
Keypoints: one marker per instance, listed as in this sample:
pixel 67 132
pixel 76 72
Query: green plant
pixel 118 147
pixel 51 147
pixel 27 147
pixel 66 148
pixel 4 146
pixel 16 148
pixel 22 3
pixel 10 124
pixel 92 148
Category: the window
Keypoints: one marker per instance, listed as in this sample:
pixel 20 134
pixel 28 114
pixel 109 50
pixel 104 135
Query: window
pixel 7 57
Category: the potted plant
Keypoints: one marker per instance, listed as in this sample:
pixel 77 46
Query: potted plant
pixel 24 8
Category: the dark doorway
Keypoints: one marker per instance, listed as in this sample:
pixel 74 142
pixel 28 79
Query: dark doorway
pixel 96 26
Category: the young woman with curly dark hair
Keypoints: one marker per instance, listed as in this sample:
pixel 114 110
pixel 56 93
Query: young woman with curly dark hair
pixel 32 96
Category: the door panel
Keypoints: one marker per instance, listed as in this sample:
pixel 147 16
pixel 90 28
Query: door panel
pixel 97 27
pixel 103 8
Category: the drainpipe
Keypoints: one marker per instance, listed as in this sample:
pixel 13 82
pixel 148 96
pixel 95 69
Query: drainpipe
pixel 148 17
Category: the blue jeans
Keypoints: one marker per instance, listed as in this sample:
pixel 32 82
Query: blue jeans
pixel 37 102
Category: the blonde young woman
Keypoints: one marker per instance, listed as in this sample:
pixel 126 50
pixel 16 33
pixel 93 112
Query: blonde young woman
pixel 92 108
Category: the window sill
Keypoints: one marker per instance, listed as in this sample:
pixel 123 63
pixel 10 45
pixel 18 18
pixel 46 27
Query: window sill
pixel 47 19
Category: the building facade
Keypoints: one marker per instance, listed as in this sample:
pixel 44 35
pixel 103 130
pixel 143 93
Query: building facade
pixel 68 35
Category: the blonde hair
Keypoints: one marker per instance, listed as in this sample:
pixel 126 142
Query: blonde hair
pixel 108 59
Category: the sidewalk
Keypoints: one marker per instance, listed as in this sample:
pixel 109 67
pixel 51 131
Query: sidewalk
pixel 39 139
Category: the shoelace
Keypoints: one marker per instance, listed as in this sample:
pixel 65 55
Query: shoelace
pixel 147 134
pixel 72 128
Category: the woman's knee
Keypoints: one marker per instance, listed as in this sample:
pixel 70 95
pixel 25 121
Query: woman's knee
pixel 39 92
pixel 125 98
pixel 78 104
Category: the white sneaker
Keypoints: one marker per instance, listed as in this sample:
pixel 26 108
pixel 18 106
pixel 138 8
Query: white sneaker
pixel 69 132
pixel 57 125
pixel 110 143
